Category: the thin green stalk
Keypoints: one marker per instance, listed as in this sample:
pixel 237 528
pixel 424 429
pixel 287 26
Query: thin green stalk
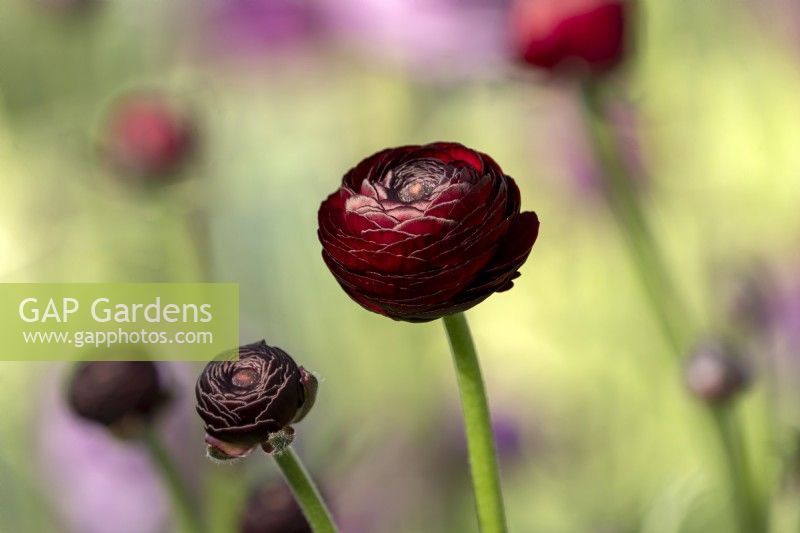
pixel 305 492
pixel 478 426
pixel 751 518
pixel 188 514
pixel 198 226
pixel 672 316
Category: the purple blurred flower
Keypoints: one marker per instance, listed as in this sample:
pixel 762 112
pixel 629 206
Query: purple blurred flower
pixel 507 437
pixel 763 300
pixel 508 434
pixel 785 313
pixel 100 483
pixel 750 298
pixel 246 28
pixel 513 437
pixel 437 37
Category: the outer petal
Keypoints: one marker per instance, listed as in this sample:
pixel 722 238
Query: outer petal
pixel 499 276
pixel 451 152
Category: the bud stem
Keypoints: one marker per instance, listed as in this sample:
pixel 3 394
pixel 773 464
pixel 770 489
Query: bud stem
pixel 188 515
pixel 669 310
pixel 198 225
pixel 304 490
pixel 478 426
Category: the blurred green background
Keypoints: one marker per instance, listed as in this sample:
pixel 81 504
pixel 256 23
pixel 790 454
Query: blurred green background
pixel 601 434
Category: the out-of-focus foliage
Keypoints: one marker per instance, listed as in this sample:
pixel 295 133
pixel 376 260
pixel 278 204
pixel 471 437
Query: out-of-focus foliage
pixel 609 441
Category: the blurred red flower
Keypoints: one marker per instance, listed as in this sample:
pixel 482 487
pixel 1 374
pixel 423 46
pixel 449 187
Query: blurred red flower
pixel 575 34
pixel 148 136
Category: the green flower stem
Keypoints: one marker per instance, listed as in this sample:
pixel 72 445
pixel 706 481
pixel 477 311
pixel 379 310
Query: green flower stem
pixel 304 490
pixel 658 287
pixel 751 518
pixel 672 316
pixel 478 426
pixel 188 514
pixel 198 225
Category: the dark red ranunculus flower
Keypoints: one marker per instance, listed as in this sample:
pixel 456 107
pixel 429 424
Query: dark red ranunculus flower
pixel 271 508
pixel 147 135
pixel 552 34
pixel 244 401
pixel 121 395
pixel 419 232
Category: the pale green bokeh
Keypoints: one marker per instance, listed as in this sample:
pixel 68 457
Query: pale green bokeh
pixel 612 443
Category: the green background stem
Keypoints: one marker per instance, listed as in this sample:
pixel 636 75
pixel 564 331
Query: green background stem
pixel 751 518
pixel 188 515
pixel 622 199
pixel 478 426
pixel 672 316
pixel 305 492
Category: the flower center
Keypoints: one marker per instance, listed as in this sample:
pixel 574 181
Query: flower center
pixel 416 180
pixel 244 378
pixel 415 190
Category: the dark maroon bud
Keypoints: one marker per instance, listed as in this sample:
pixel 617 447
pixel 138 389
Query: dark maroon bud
pixel 419 232
pixel 148 136
pixel 243 402
pixel 121 395
pixel 575 35
pixel 716 372
pixel 271 508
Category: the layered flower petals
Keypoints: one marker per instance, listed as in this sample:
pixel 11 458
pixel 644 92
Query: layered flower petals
pixel 243 401
pixel 419 232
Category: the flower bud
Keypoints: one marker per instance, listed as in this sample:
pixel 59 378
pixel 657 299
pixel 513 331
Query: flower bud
pixel 147 136
pixel 572 34
pixel 121 395
pixel 243 402
pixel 271 508
pixel 715 373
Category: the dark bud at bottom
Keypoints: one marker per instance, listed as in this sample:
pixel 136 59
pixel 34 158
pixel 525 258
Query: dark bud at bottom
pixel 252 400
pixel 123 396
pixel 716 372
pixel 271 508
